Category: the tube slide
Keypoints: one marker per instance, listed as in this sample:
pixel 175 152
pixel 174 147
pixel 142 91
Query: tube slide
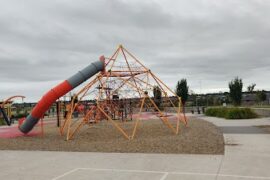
pixel 58 91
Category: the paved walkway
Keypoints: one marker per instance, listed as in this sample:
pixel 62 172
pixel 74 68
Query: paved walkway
pixel 247 149
pixel 247 156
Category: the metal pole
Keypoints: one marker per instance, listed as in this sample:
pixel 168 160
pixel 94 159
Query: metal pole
pixel 58 113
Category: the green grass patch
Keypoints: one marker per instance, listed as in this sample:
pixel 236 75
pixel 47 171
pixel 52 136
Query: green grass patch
pixel 231 113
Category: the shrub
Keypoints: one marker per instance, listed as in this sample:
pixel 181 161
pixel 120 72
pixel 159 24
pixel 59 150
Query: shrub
pixel 240 113
pixel 216 112
pixel 20 115
pixel 231 113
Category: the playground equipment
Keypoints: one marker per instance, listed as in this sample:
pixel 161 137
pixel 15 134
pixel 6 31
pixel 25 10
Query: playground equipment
pixel 124 87
pixel 121 87
pixel 7 116
pixel 50 97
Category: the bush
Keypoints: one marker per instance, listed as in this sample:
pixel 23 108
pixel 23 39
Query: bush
pixel 20 115
pixel 240 113
pixel 231 113
pixel 216 112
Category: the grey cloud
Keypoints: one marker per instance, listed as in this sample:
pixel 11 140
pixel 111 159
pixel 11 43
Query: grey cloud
pixel 207 42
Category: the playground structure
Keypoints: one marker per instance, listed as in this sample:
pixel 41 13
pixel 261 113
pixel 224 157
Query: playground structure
pixel 6 104
pixel 121 88
pixel 9 117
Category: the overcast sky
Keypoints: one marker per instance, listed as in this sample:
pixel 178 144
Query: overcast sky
pixel 208 42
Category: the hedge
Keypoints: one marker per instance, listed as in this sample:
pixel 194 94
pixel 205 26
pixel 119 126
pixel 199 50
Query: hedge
pixel 231 113
pixel 20 115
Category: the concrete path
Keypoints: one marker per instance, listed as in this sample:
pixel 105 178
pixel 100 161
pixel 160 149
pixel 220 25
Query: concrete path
pixel 247 148
pixel 93 166
pixel 247 156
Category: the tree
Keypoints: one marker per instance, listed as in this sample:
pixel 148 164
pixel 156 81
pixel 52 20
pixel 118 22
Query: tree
pixel 236 86
pixel 182 91
pixel 261 96
pixel 210 100
pixel 251 87
pixel 157 95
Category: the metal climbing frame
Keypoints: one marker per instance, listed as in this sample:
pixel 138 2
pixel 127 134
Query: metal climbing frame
pixel 125 78
pixel 7 115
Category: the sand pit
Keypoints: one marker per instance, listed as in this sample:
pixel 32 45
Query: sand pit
pixel 200 137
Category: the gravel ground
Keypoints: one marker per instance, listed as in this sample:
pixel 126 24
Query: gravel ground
pixel 200 137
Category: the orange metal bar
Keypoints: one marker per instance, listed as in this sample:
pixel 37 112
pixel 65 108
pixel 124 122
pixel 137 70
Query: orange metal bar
pixel 115 124
pixel 130 69
pixel 10 98
pixel 137 121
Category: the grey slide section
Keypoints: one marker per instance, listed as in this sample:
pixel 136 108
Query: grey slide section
pixel 85 74
pixel 26 127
